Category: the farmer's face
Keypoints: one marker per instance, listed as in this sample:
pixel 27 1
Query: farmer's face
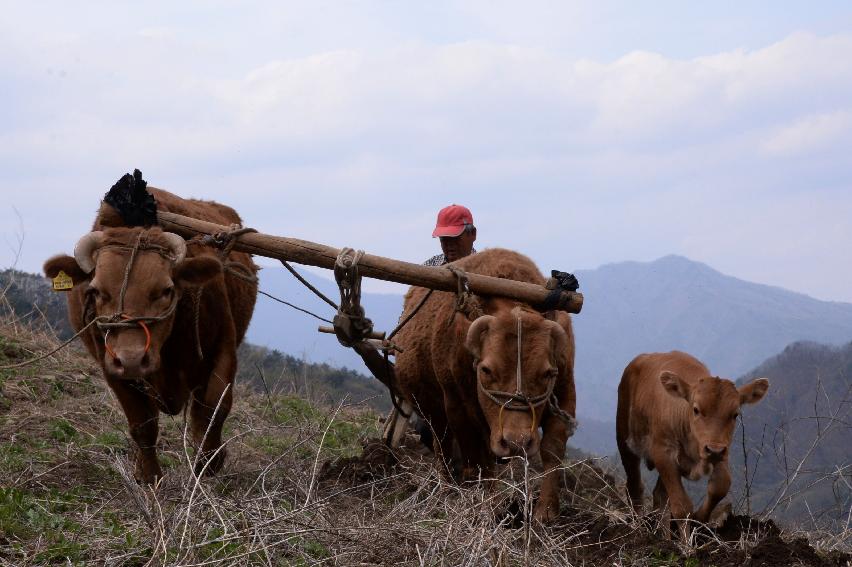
pixel 455 247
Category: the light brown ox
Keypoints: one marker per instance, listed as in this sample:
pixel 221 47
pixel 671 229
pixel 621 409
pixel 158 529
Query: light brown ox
pixel 678 418
pixel 163 281
pixel 447 358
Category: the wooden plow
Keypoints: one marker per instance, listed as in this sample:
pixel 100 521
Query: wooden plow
pixel 352 327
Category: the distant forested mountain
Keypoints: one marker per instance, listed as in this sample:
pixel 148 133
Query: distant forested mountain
pixel 799 437
pixel 268 369
pixel 676 304
pixel 31 298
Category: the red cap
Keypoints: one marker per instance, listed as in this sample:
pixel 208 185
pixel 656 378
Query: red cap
pixel 452 220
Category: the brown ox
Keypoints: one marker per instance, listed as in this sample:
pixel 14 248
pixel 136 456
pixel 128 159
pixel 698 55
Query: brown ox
pixel 155 366
pixel 678 418
pixel 460 375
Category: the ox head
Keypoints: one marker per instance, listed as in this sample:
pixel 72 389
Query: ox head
pixel 714 404
pixel 512 397
pixel 153 284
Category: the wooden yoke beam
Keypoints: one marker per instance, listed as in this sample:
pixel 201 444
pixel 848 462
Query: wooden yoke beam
pixel 379 267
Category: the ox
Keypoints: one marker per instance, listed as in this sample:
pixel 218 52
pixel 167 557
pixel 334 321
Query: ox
pixel 155 299
pixel 678 418
pixel 490 383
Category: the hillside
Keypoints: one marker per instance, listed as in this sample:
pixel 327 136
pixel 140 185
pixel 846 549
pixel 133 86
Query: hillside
pixel 798 437
pixel 630 307
pixel 304 484
pixel 29 299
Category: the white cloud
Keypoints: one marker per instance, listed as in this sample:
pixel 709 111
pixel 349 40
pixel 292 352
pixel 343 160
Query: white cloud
pixel 578 160
pixel 811 133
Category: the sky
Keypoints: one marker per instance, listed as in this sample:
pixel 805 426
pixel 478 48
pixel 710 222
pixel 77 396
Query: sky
pixel 579 133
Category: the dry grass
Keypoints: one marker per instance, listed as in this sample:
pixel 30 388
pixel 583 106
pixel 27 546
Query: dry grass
pixel 303 485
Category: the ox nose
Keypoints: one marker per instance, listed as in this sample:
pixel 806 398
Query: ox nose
pixel 130 363
pixel 516 444
pixel 715 451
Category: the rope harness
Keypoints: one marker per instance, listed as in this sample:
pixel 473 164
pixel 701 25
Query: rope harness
pixel 224 241
pixel 119 319
pixel 519 400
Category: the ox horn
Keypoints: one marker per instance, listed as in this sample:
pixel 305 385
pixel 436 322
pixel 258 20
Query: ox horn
pixel 473 341
pixel 177 245
pixel 85 249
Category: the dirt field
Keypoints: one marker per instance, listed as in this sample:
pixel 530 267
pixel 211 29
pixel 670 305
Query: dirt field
pixel 303 485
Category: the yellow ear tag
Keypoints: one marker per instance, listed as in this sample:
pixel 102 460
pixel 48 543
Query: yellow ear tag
pixel 62 282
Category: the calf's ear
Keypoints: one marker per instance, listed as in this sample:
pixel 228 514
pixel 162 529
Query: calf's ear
pixel 674 385
pixel 197 271
pixel 754 391
pixel 67 264
pixel 473 341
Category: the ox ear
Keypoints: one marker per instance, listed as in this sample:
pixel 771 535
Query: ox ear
pixel 559 341
pixel 197 271
pixel 67 264
pixel 754 391
pixel 674 385
pixel 473 342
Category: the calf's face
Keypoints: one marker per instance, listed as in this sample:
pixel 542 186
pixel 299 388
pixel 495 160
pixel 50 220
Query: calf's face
pixel 714 405
pixel 493 342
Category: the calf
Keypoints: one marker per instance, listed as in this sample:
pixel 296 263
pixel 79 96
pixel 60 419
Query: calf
pixel 678 418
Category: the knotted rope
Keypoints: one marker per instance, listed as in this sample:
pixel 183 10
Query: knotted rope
pixel 351 324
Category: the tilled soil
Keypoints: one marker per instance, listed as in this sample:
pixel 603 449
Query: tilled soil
pixel 595 537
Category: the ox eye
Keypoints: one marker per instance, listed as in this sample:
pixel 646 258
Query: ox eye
pixel 695 410
pixel 97 294
pixel 485 370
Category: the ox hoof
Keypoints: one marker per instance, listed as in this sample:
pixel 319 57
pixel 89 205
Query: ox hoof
pixel 208 465
pixel 546 512
pixel 147 473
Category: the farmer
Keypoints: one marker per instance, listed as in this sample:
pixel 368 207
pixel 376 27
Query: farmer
pixel 457 233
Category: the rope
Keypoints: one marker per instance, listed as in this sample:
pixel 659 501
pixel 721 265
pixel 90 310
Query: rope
pixel 51 353
pixel 308 285
pixel 196 300
pixel 270 296
pixel 465 300
pixel 127 269
pixel 351 324
pixel 226 240
pixel 570 420
pixel 410 316
pixel 519 400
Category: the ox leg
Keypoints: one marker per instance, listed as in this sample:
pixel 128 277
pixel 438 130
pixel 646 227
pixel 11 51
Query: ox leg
pixel 633 471
pixel 474 453
pixel 717 488
pixel 141 417
pixel 554 438
pixel 680 504
pixel 442 445
pixel 661 497
pixel 210 407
